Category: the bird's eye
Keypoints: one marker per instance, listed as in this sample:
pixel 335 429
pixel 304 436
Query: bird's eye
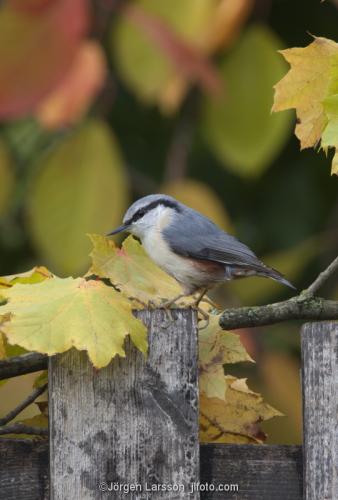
pixel 141 212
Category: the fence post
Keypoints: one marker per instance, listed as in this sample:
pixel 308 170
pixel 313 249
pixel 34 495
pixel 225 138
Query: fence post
pixel 133 424
pixel 320 409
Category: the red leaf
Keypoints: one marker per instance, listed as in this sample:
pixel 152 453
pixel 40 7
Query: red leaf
pixel 31 6
pixel 37 46
pixel 69 101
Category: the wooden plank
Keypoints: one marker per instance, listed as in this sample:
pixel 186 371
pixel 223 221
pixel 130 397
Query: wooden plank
pixel 251 472
pixel 132 423
pixel 319 343
pixel 24 469
pixel 261 472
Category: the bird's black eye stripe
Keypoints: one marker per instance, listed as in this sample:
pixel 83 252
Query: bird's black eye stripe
pixel 137 215
pixel 142 211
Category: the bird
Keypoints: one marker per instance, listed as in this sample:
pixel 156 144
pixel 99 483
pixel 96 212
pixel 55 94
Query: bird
pixel 190 247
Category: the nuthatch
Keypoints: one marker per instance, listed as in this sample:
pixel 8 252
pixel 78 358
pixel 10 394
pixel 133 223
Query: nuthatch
pixel 189 246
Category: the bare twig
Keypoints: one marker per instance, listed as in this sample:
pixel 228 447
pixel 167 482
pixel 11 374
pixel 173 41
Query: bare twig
pixel 320 280
pixel 32 397
pixel 20 365
pixel 23 429
pixel 304 307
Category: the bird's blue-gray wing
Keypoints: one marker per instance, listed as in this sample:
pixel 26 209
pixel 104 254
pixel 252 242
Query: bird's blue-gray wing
pixel 192 235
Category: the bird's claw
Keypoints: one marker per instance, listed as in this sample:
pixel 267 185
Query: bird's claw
pixel 168 303
pixel 211 303
pixel 170 319
pixel 205 317
pixel 146 305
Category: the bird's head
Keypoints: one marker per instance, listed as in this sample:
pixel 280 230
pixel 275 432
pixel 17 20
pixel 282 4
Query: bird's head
pixel 147 213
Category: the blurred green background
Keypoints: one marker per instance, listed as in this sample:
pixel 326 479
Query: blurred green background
pixel 102 102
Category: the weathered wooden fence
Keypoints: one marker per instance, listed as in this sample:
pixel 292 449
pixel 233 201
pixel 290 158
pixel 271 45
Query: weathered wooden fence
pixel 130 431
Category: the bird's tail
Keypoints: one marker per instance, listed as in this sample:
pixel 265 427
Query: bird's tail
pixel 269 272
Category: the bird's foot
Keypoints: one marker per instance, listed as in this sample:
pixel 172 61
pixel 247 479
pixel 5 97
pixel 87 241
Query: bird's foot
pixel 169 317
pixel 211 303
pixel 166 306
pixel 146 305
pixel 168 303
pixel 204 317
pixel 199 298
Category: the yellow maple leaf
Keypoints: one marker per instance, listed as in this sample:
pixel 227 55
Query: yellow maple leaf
pixel 212 382
pixel 57 314
pixel 330 134
pixel 312 78
pixel 35 275
pixel 131 270
pixel 235 418
pixel 217 347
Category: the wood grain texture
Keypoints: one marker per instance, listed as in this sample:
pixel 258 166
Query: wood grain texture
pixel 134 422
pixel 24 469
pixel 320 409
pixel 261 472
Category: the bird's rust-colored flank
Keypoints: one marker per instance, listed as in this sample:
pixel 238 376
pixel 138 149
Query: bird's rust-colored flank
pixel 213 268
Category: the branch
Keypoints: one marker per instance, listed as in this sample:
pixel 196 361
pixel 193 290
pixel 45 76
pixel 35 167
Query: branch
pixel 20 365
pixel 23 429
pixel 300 307
pixel 304 306
pixel 32 397
pixel 320 280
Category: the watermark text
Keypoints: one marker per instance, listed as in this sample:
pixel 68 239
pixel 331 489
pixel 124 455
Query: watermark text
pixel 126 488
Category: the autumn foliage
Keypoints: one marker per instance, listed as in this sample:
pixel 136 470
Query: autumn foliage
pixel 47 314
pixel 105 101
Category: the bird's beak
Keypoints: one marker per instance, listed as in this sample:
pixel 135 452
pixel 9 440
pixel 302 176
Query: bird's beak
pixel 118 230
